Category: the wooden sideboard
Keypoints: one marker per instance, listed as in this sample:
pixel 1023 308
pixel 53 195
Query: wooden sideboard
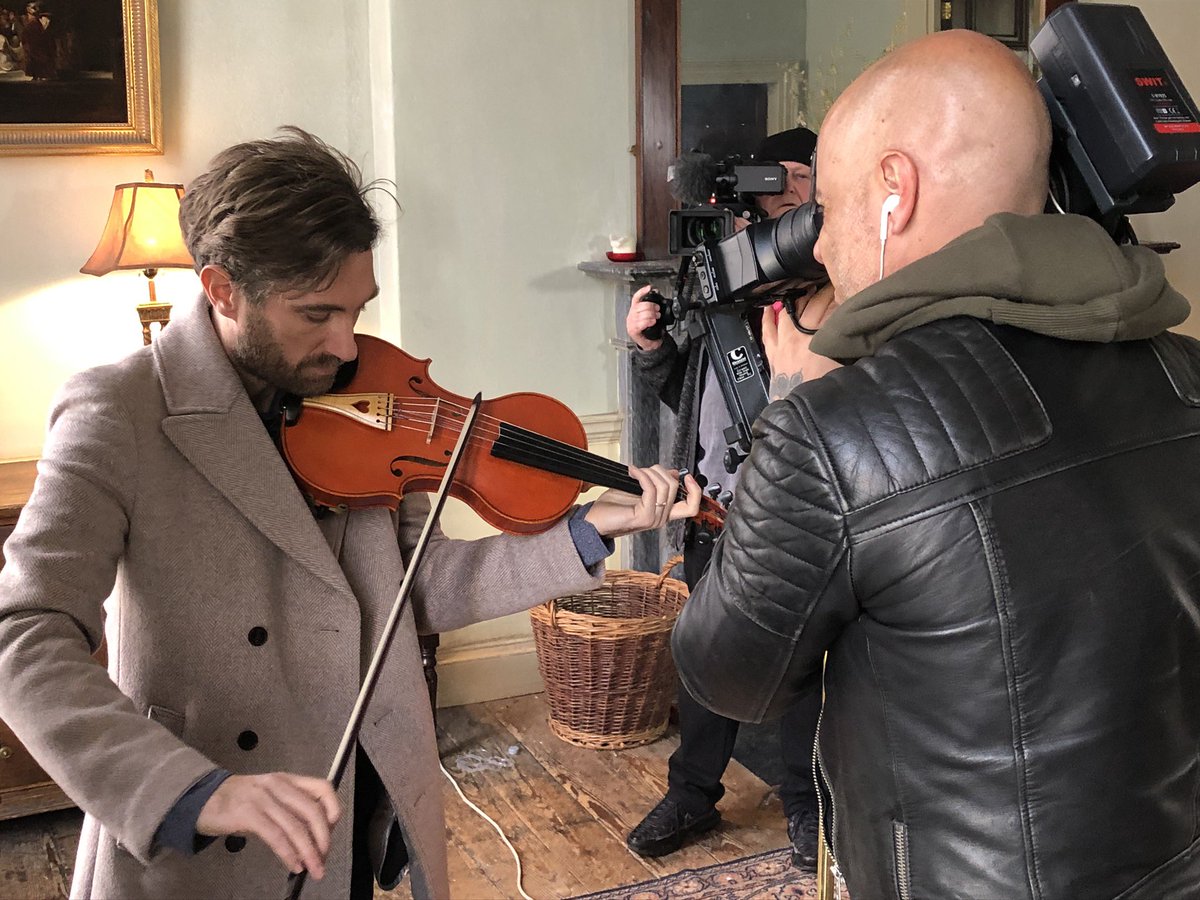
pixel 24 788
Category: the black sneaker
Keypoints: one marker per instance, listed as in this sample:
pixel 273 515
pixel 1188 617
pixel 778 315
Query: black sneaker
pixel 668 826
pixel 802 832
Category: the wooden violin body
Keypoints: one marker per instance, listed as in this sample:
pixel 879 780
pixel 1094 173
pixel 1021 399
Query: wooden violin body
pixel 389 430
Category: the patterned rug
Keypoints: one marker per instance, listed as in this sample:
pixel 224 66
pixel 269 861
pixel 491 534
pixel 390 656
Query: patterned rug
pixel 767 876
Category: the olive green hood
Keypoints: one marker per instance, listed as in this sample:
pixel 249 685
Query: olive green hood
pixel 1057 275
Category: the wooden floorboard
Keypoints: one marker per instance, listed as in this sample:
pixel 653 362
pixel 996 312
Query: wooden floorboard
pixel 37 854
pixel 566 809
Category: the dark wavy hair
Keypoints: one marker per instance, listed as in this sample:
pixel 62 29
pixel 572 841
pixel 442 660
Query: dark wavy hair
pixel 279 215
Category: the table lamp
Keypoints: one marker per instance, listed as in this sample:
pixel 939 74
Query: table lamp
pixel 142 232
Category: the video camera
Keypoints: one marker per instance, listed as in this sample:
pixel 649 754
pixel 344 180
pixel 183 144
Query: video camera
pixel 1126 140
pixel 713 192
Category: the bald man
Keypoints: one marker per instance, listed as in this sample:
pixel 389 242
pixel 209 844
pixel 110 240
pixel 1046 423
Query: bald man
pixel 986 517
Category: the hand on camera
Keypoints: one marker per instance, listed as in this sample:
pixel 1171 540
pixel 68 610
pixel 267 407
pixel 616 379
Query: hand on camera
pixel 617 513
pixel 642 314
pixel 788 349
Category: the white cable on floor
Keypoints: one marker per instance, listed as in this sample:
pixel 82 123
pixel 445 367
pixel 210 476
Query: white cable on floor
pixel 491 822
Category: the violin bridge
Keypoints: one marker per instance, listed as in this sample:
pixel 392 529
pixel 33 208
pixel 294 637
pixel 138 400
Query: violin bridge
pixel 372 410
pixel 437 408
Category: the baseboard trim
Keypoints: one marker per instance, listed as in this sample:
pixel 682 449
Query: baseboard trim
pixel 489 670
pixel 603 428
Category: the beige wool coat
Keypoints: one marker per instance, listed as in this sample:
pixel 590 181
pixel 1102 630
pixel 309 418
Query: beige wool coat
pixel 160 483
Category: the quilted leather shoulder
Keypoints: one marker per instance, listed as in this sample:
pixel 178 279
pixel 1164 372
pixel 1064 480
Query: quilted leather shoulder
pixel 883 421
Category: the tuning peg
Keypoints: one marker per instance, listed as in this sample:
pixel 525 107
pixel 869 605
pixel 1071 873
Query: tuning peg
pixel 703 537
pixel 725 498
pixel 733 459
pixel 713 489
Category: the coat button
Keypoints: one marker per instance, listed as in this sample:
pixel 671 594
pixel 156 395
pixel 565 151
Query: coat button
pixel 257 636
pixel 234 843
pixel 247 740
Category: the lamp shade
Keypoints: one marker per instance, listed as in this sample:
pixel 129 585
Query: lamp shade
pixel 142 231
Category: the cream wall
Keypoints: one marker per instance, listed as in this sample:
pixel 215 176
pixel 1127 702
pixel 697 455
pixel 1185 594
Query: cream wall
pixel 714 31
pixel 220 84
pixel 513 126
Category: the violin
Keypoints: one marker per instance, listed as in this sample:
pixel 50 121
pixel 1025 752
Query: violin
pixel 387 429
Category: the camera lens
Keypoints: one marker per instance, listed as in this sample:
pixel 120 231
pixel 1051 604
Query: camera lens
pixel 794 237
pixel 701 230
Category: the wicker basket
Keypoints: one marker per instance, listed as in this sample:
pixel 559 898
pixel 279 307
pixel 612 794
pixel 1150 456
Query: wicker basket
pixel 605 658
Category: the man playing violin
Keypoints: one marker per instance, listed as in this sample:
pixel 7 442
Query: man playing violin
pixel 243 617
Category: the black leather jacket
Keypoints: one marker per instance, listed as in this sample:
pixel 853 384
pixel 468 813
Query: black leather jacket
pixel 996 536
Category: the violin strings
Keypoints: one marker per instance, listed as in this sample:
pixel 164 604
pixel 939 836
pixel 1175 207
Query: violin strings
pixel 575 462
pixel 521 437
pixel 587 466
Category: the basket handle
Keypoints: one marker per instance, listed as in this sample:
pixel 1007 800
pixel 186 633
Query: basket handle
pixel 667 567
pixel 552 605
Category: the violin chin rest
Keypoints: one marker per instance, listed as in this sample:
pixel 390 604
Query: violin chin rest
pixel 291 405
pixel 345 374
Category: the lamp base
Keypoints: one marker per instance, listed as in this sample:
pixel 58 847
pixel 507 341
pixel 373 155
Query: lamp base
pixel 150 313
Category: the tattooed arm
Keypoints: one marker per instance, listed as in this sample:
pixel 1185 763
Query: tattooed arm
pixel 782 384
pixel 787 347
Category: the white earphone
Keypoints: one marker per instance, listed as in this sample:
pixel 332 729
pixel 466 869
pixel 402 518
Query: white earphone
pixel 892 201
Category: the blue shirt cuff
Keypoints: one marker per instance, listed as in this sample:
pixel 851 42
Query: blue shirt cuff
pixel 591 546
pixel 178 829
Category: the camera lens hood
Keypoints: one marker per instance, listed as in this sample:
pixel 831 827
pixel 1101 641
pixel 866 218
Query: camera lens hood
pixel 793 238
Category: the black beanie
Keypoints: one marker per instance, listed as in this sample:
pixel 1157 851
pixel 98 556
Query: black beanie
pixel 794 145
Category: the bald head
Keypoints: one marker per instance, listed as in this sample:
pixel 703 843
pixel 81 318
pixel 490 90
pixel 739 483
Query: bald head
pixel 952 122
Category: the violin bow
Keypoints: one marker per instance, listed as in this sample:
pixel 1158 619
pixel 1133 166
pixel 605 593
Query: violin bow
pixel 349 737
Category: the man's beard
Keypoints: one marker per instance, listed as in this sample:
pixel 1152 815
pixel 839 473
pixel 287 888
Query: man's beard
pixel 260 355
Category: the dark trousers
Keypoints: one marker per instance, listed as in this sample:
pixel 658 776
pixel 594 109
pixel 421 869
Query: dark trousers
pixel 367 788
pixel 706 739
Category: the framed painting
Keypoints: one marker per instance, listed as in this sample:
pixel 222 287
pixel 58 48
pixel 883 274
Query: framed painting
pixel 79 77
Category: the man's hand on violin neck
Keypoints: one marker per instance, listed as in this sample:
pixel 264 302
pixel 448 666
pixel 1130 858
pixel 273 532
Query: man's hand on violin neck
pixel 616 513
pixel 293 814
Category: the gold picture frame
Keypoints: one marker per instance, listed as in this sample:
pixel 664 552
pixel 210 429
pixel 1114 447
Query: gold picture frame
pixel 73 104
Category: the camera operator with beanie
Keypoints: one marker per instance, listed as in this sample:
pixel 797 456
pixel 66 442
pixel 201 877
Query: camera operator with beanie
pixel 686 383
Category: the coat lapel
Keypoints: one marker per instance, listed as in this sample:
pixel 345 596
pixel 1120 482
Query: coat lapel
pixel 212 422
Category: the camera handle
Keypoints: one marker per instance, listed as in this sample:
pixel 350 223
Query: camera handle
pixel 666 316
pixel 734 355
pixel 666 308
pixel 740 370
